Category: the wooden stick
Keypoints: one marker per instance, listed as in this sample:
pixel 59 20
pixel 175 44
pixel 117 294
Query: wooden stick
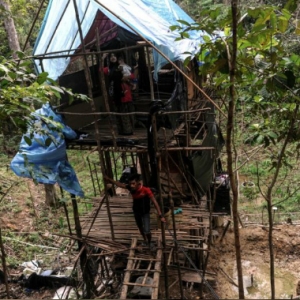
pixel 156 275
pixel 103 87
pixel 147 272
pixel 127 274
pixel 3 255
pixel 230 279
pixel 29 244
pixel 225 230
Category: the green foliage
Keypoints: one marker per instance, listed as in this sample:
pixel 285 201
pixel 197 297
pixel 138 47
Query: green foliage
pixel 267 85
pixel 23 13
pixel 267 73
pixel 21 93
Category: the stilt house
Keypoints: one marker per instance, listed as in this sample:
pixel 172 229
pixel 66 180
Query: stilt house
pixel 176 141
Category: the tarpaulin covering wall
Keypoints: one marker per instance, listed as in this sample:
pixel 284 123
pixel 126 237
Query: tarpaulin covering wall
pixel 47 164
pixel 202 162
pixel 149 18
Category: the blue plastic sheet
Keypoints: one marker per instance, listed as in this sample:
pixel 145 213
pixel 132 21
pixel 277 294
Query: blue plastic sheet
pixel 47 165
pixel 149 18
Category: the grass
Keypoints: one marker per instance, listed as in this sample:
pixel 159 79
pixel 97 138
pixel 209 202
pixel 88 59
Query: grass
pixel 23 208
pixel 19 203
pixel 260 170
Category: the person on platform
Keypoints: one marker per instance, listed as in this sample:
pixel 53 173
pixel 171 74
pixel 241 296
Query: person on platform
pixel 142 197
pixel 119 92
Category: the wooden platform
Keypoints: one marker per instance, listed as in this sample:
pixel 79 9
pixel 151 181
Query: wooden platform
pixel 191 231
pixel 96 228
pixel 108 133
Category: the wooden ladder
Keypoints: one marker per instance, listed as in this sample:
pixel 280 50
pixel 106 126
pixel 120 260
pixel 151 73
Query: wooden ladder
pixel 133 266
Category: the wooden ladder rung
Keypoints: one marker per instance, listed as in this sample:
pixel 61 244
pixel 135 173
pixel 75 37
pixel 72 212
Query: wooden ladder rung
pixel 141 270
pixel 145 259
pixel 140 284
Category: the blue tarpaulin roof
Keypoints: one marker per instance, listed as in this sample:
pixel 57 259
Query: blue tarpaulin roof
pixel 150 18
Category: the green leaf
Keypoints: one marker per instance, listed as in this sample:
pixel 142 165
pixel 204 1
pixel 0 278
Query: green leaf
pixel 48 142
pixel 42 77
pixel 175 27
pixel 184 35
pixel 206 38
pixel 297 25
pixel 183 22
pixel 27 140
pixel 4 68
pixel 12 75
pixel 283 24
pixel 260 138
pixel 56 88
pixel 291 5
pixel 272 134
pixel 20 54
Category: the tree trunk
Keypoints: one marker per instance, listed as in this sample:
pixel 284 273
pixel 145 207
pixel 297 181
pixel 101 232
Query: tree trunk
pixel 11 32
pixel 50 193
pixel 229 147
pixel 270 201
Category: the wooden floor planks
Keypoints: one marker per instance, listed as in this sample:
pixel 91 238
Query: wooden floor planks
pixel 125 229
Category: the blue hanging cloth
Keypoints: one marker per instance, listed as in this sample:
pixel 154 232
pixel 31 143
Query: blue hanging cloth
pixel 47 164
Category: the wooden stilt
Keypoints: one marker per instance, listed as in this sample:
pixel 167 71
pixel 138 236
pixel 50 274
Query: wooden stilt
pixel 150 73
pixel 103 89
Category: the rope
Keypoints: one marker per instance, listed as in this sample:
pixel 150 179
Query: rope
pixel 213 293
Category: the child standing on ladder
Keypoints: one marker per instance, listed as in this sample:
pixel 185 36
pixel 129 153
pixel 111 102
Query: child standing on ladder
pixel 141 196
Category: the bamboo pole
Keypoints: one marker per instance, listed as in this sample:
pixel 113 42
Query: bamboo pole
pixel 3 255
pixel 96 214
pixel 183 175
pixel 173 217
pixel 74 38
pixel 130 113
pixel 93 106
pixel 163 234
pixel 150 74
pixel 59 21
pixel 52 54
pixel 209 242
pixel 104 91
pixel 87 276
pixel 92 176
pixel 156 275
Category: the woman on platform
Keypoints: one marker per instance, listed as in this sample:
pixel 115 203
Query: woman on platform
pixel 119 91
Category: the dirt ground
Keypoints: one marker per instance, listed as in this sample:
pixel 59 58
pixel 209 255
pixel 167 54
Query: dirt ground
pixel 254 247
pixel 255 261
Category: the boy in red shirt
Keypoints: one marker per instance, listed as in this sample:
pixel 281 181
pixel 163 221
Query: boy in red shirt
pixel 141 196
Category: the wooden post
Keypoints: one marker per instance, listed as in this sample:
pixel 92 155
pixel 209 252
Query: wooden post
pixel 173 216
pixel 209 242
pixel 163 234
pixel 66 210
pixel 103 88
pixel 156 274
pixel 93 106
pixel 86 274
pixel 150 74
pixel 176 246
